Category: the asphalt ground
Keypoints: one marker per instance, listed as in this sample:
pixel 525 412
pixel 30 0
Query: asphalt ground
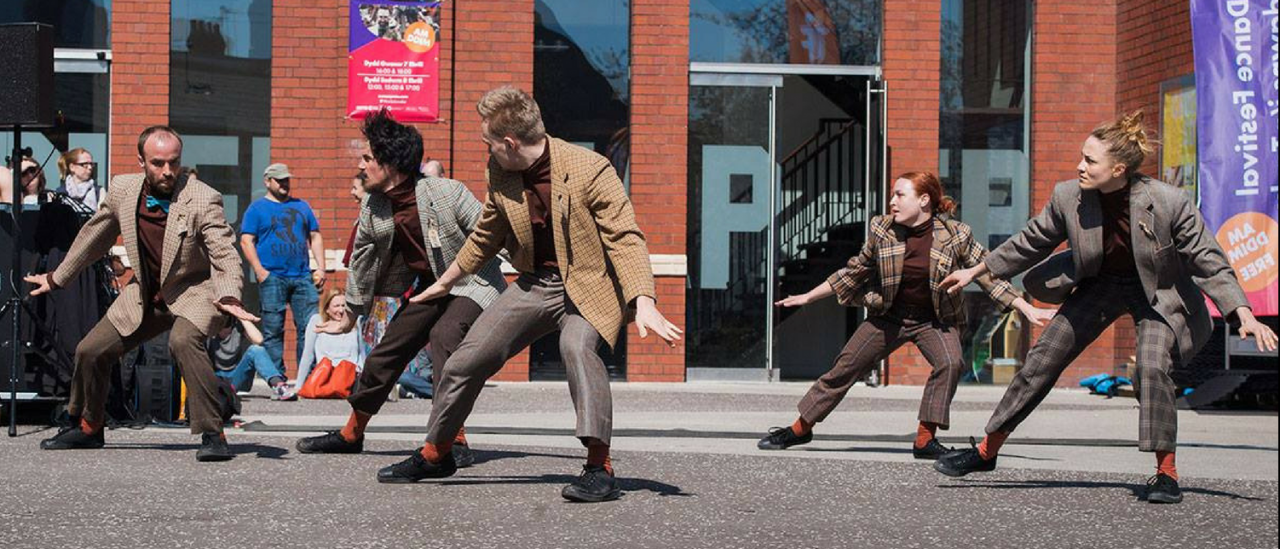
pixel 688 467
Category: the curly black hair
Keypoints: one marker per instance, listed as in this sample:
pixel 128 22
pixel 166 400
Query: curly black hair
pixel 393 144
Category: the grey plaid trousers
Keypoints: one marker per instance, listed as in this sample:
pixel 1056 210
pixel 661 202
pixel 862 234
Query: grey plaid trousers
pixel 1094 305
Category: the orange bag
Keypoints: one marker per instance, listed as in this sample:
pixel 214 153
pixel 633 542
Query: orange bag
pixel 329 381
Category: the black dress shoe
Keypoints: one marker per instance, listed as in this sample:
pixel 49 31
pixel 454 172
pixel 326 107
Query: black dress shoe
pixel 1163 488
pixel 330 443
pixel 213 448
pixel 594 485
pixel 963 462
pixel 72 438
pixel 417 468
pixel 781 438
pixel 932 450
pixel 463 457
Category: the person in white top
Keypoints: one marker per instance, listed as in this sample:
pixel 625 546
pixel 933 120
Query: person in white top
pixel 77 168
pixel 336 347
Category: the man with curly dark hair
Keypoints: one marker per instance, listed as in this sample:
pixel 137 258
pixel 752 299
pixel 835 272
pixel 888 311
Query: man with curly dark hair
pixel 410 229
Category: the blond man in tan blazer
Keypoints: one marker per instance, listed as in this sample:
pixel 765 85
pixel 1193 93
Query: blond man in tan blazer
pixel 186 279
pixel 564 216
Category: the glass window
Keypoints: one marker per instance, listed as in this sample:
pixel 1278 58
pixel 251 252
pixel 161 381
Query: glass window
pixel 582 73
pixel 76 23
pixel 818 32
pixel 582 81
pixel 984 135
pixel 220 97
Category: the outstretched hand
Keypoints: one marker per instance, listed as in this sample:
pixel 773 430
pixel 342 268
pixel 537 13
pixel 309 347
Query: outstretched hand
pixel 43 285
pixel 649 319
pixel 236 311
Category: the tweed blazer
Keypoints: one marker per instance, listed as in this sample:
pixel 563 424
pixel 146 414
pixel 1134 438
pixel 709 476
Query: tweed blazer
pixel 198 265
pixel 443 204
pixel 882 256
pixel 1176 257
pixel 603 257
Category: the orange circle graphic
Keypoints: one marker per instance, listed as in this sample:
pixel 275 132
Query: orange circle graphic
pixel 419 37
pixel 1249 240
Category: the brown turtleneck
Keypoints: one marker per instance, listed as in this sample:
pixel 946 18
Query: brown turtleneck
pixel 914 291
pixel 537 192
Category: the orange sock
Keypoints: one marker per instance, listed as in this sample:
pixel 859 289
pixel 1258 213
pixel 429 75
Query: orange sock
pixel 1165 465
pixel 990 445
pixel 462 437
pixel 433 453
pixel 89 428
pixel 801 427
pixel 355 426
pixel 925 432
pixel 598 455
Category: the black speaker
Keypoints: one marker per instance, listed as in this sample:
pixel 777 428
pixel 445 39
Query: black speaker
pixel 26 75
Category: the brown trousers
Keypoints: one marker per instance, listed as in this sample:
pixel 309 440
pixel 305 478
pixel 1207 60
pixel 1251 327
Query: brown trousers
pixel 874 340
pixel 532 307
pixel 442 322
pixel 103 347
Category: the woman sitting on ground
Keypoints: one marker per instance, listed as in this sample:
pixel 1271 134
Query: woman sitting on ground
pixel 322 343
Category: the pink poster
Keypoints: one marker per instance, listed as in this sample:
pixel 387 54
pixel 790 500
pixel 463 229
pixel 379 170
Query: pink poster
pixel 393 60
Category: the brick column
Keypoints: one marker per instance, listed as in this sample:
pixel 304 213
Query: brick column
pixel 912 63
pixel 139 77
pixel 659 135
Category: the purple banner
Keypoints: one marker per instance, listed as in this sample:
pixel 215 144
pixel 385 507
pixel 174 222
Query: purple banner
pixel 1235 60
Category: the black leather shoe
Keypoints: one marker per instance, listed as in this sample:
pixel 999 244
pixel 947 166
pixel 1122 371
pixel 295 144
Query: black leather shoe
pixel 463 457
pixel 1162 488
pixel 213 448
pixel 594 485
pixel 962 462
pixel 781 438
pixel 330 443
pixel 72 438
pixel 417 468
pixel 932 450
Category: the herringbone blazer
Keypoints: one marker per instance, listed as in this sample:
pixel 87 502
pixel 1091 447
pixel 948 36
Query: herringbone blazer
pixel 1176 257
pixel 443 204
pixel 872 277
pixel 199 262
pixel 602 252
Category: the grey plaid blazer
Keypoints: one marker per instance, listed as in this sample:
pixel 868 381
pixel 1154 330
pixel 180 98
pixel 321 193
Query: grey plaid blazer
pixel 444 204
pixel 1177 258
pixel 882 255
pixel 199 263
pixel 601 251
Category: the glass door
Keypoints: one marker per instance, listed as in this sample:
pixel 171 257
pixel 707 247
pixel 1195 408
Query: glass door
pixel 732 193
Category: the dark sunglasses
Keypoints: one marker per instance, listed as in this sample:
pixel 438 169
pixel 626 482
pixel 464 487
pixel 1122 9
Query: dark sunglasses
pixel 30 171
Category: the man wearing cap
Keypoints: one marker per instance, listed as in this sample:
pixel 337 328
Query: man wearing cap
pixel 279 236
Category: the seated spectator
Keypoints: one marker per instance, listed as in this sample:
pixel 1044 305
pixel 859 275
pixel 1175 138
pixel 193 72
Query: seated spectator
pixel 322 340
pixel 237 353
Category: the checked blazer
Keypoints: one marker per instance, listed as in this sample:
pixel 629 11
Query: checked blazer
pixel 872 277
pixel 199 263
pixel 443 204
pixel 1176 256
pixel 603 257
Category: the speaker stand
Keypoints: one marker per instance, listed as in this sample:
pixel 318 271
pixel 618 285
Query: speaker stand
pixel 14 303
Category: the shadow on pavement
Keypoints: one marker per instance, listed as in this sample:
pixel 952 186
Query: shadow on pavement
pixel 261 451
pixel 1137 490
pixel 627 485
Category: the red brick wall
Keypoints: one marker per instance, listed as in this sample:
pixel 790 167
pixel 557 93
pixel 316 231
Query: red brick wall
pixel 912 60
pixel 659 134
pixel 139 76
